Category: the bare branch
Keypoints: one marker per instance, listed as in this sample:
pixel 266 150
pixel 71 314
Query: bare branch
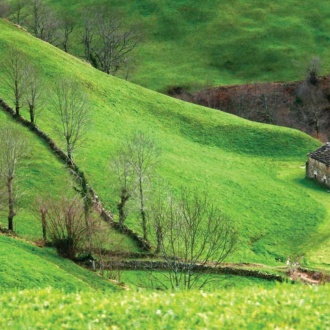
pixel 72 109
pixel 13 150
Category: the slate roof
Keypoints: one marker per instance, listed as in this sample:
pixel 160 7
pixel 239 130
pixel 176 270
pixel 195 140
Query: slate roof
pixel 322 154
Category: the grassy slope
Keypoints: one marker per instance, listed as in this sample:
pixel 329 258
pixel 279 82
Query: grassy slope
pixel 25 266
pixel 282 307
pixel 221 42
pixel 238 161
pixel 39 175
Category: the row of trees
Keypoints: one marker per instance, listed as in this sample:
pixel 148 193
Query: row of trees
pixel 106 41
pixel 28 92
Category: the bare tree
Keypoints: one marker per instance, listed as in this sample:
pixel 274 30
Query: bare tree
pixel 87 201
pixel 33 93
pixel 107 42
pixel 144 155
pixel 66 227
pixel 44 23
pixel 121 172
pixel 13 150
pixel 18 11
pixel 15 76
pixel 88 33
pixel 42 205
pixel 66 27
pixel 160 207
pixel 72 109
pixel 195 234
pixel 113 45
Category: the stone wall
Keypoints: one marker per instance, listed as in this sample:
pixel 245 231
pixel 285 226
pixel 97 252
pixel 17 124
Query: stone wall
pixel 318 171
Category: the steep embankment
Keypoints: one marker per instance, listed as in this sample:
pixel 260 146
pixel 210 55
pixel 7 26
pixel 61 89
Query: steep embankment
pixel 237 161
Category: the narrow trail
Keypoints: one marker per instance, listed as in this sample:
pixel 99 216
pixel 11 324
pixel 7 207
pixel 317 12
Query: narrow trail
pixel 75 171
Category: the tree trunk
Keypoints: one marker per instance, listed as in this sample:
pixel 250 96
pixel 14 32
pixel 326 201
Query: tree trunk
pixel 124 197
pixel 17 108
pixel 69 152
pixel 10 203
pixel 159 238
pixel 31 110
pixel 142 211
pixel 44 226
pixel 89 229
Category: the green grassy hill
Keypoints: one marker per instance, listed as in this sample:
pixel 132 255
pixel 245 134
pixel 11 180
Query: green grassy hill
pixel 254 172
pixel 25 266
pixel 219 42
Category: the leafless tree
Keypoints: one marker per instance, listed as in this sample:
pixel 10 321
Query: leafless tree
pixel 72 109
pixel 195 234
pixel 121 173
pixel 42 206
pixel 87 201
pixel 15 76
pixel 160 207
pixel 44 23
pixel 66 226
pixel 13 150
pixel 88 32
pixel 18 11
pixel 66 27
pixel 33 93
pixel 107 41
pixel 114 43
pixel 144 155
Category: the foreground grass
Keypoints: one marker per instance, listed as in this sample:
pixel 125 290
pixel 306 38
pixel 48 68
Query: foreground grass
pixel 237 161
pixel 25 266
pixel 221 42
pixel 282 307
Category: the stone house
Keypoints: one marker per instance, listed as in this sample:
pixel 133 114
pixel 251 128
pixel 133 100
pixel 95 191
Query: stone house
pixel 318 165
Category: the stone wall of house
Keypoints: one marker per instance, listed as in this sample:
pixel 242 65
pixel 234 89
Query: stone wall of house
pixel 318 172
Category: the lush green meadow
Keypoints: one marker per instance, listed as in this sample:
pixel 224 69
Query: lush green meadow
pixel 186 43
pixel 237 161
pixel 255 173
pixel 282 307
pixel 26 266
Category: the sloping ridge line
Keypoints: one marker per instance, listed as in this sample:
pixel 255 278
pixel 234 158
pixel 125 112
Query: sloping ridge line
pixel 74 169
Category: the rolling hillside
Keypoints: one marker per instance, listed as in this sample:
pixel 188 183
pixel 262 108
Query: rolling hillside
pixel 186 43
pixel 25 266
pixel 254 172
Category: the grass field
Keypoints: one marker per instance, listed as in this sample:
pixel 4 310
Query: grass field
pixel 25 266
pixel 282 307
pixel 218 43
pixel 237 161
pixel 253 172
